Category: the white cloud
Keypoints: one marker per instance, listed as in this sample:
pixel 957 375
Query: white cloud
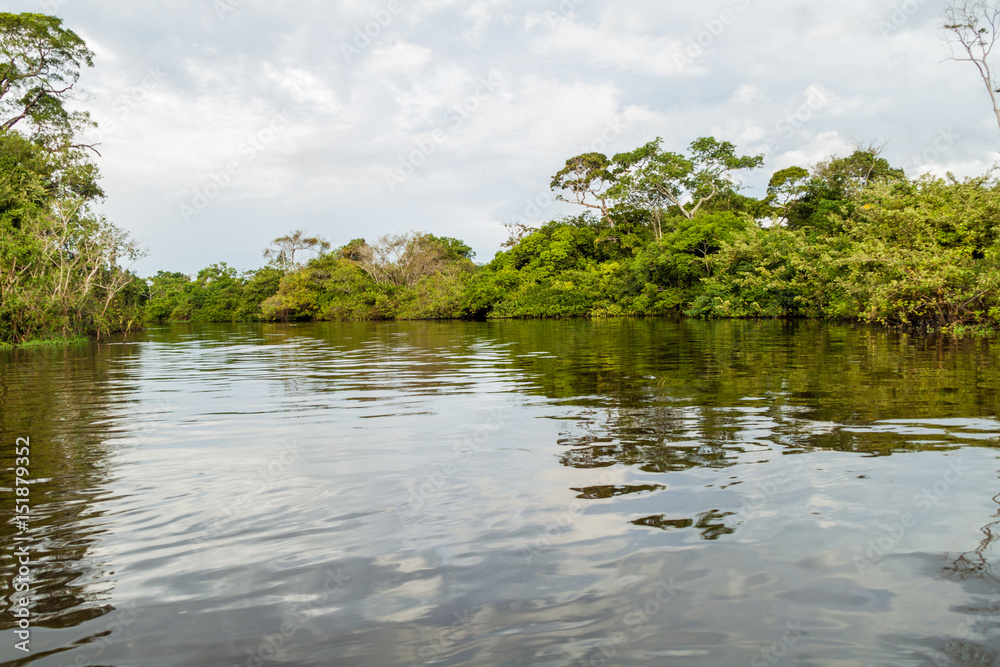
pixel 821 147
pixel 748 93
pixel 480 15
pixel 304 87
pixel 571 76
pixel 399 59
pixel 613 41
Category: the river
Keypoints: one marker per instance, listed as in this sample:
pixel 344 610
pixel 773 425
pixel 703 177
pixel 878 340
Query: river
pixel 589 493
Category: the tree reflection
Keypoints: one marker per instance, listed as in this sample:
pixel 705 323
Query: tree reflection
pixel 66 402
pixel 976 563
pixel 666 397
pixel 710 524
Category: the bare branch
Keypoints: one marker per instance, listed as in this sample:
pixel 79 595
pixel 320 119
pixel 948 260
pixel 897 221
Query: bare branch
pixel 973 26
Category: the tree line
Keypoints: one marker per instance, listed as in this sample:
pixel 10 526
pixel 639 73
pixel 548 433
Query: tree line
pixel 852 239
pixel 663 231
pixel 63 267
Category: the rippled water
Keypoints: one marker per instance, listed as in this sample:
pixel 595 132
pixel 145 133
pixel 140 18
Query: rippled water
pixel 512 493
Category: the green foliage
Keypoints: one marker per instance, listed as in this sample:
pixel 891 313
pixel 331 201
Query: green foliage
pixel 817 204
pixel 258 286
pixel 764 273
pixel 585 180
pixel 653 179
pixel 454 250
pixel 439 296
pixel 59 261
pixel 282 250
pixel 404 259
pixel 852 240
pixel 166 292
pixel 906 253
pixel 39 65
pixel 215 294
pixel 297 297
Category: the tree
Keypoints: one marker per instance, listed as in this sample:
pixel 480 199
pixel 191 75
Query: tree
pixel 64 269
pixel 403 259
pixel 973 25
pixel 61 270
pixel 39 66
pixel 455 250
pixel 283 248
pixel 585 180
pixel 653 179
pixel 785 187
pixel 834 186
pixel 516 231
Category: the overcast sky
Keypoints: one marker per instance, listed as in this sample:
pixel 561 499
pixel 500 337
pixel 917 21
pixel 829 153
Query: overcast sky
pixel 226 123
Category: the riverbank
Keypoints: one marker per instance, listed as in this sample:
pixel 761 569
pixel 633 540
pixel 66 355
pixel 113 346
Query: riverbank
pixel 854 240
pixel 46 342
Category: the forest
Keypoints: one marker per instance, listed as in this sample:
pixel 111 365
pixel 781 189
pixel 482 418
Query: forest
pixel 668 234
pixel 663 231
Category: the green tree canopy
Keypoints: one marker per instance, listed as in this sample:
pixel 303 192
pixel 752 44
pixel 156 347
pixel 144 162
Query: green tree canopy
pixel 834 186
pixel 663 181
pixel 40 64
pixel 282 249
pixel 585 180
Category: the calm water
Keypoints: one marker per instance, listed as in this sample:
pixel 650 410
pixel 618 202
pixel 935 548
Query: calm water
pixel 513 493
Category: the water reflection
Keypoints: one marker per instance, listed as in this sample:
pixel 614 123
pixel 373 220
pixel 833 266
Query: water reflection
pixel 552 493
pixel 74 405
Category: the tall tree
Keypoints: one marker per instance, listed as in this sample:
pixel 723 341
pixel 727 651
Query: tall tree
pixel 40 64
pixel 818 203
pixel 585 180
pixel 973 26
pixel 283 248
pixel 403 259
pixel 785 188
pixel 64 269
pixel 654 179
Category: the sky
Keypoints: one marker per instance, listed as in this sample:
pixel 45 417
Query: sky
pixel 223 124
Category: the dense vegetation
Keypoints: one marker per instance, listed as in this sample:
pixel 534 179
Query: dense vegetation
pixel 663 233
pixel 61 272
pixel 852 239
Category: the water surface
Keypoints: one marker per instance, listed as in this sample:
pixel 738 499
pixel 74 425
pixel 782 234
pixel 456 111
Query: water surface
pixel 512 493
